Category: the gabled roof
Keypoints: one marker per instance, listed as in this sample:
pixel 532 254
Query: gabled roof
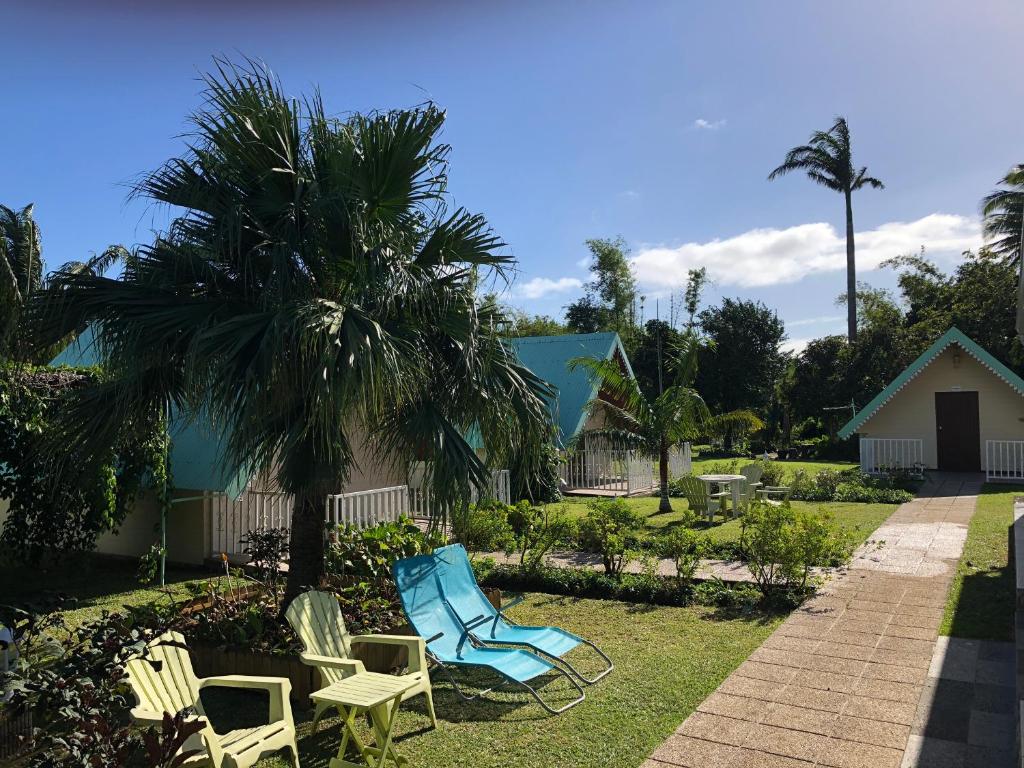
pixel 196 447
pixel 952 336
pixel 548 357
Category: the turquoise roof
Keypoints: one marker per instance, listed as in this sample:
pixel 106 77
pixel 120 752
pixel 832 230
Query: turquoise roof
pixel 548 357
pixel 952 336
pixel 196 447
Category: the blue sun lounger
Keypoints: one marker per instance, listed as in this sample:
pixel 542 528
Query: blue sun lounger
pixel 489 625
pixel 450 646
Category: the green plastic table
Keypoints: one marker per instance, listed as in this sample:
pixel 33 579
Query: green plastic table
pixel 378 694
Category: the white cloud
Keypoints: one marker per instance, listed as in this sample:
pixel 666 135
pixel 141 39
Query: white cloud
pixel 708 125
pixel 823 320
pixel 796 346
pixel 764 257
pixel 630 194
pixel 539 287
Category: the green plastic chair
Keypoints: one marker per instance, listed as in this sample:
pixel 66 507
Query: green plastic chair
pixel 317 620
pixel 753 473
pixel 700 501
pixel 164 681
pixel 776 495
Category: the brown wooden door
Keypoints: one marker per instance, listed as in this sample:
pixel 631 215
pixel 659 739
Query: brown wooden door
pixel 958 434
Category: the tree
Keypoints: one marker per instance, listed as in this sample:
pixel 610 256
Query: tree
pixel 315 291
pixel 740 367
pixel 21 275
pixel 650 355
pixel 827 160
pixel 609 303
pixel 652 425
pixel 523 324
pixel 1001 210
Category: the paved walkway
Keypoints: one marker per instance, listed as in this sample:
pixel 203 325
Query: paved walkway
pixel 842 681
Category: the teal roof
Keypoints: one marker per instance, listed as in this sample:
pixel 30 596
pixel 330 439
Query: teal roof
pixel 952 336
pixel 196 447
pixel 548 357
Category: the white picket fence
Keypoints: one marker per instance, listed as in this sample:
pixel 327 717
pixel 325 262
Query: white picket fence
pixel 423 505
pixel 365 508
pixel 602 466
pixel 881 454
pixel 680 460
pixel 1004 459
pixel 229 519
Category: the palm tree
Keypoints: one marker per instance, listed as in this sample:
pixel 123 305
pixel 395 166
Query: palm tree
pixel 1001 215
pixel 827 159
pixel 651 426
pixel 314 291
pixel 21 274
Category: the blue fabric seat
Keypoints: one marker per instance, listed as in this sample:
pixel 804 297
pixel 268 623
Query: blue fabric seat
pixel 476 614
pixel 449 644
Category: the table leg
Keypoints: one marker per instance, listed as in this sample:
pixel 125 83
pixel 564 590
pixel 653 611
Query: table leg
pixel 383 718
pixel 734 487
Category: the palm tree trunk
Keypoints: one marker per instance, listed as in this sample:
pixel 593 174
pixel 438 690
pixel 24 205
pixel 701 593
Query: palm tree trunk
pixel 665 505
pixel 851 273
pixel 306 546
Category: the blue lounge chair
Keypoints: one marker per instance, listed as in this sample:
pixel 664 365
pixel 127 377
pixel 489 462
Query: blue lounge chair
pixel 450 646
pixel 491 626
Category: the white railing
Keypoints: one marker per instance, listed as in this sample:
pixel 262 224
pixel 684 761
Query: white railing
pixel 1004 460
pixel 603 469
pixel 641 474
pixel 366 508
pixel 422 503
pixel 230 519
pixel 680 460
pixel 881 454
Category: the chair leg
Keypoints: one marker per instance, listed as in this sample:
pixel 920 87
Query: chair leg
pixel 294 751
pixel 321 707
pixel 430 706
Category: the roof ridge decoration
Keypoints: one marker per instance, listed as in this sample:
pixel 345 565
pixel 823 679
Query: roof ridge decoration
pixel 953 336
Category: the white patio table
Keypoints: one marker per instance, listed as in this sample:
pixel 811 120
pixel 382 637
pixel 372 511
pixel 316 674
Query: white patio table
pixel 729 481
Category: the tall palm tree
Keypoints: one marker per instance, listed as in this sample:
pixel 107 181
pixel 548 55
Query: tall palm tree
pixel 314 290
pixel 827 159
pixel 21 274
pixel 1001 215
pixel 652 426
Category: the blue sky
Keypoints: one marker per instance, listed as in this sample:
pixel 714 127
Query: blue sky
pixel 656 121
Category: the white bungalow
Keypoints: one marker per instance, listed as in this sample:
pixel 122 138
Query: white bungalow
pixel 955 408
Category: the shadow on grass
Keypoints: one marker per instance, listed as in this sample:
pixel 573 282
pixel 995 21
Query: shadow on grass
pixel 986 605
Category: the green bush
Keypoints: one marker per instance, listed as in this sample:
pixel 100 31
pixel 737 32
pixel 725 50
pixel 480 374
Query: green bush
pixel 370 552
pixel 684 547
pixel 609 529
pixel 483 527
pixel 535 530
pixel 782 544
pixel 850 485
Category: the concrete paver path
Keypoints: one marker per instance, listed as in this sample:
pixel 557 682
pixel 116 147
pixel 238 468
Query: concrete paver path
pixel 839 682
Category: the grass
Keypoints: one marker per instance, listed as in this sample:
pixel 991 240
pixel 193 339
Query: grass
pixel 95 582
pixel 860 519
pixel 981 600
pixel 667 660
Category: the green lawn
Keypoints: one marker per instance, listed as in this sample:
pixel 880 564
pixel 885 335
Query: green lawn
pixel 981 600
pixel 97 583
pixel 667 660
pixel 701 466
pixel 860 519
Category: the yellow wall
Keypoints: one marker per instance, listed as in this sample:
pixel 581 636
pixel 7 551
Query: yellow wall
pixel 911 411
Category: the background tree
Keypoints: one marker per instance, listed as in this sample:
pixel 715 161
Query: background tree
pixel 21 275
pixel 739 369
pixel 523 324
pixel 1002 220
pixel 314 291
pixel 652 425
pixel 651 354
pixel 827 159
pixel 610 299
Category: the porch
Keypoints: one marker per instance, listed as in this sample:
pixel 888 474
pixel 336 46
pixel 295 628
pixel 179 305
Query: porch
pixel 601 468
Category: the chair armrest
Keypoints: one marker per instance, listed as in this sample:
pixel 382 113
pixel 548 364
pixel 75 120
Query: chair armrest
pixel 417 647
pixel 143 716
pixel 332 662
pixel 279 689
pixel 511 604
pixel 774 490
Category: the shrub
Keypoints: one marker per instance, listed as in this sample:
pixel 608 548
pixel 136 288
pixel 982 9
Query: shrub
pixel 370 552
pixel 267 549
pixel 685 547
pixel 773 473
pixel 608 529
pixel 782 545
pixel 535 530
pixel 850 485
pixel 483 527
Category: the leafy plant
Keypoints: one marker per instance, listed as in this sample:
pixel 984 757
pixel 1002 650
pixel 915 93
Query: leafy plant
pixel 267 549
pixel 535 530
pixel 483 527
pixel 782 544
pixel 685 548
pixel 370 552
pixel 608 529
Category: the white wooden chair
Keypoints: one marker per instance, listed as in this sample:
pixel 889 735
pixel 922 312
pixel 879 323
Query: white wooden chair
pixel 164 681
pixel 317 620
